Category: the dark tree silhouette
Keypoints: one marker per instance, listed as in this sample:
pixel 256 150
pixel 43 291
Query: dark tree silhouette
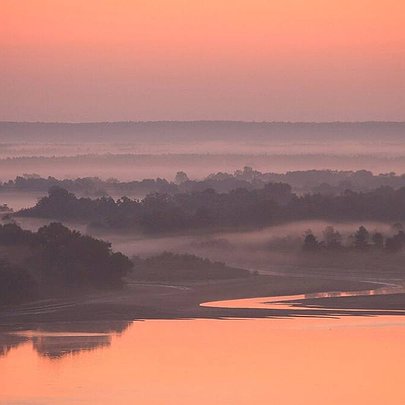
pixel 16 284
pixel 361 238
pixel 332 238
pixel 396 242
pixel 311 243
pixel 181 177
pixel 378 240
pixel 58 257
pixel 272 204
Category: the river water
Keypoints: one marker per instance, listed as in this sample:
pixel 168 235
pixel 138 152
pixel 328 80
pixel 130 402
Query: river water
pixel 301 360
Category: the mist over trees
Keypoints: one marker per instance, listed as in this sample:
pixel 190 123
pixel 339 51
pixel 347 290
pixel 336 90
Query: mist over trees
pixel 88 186
pixel 169 266
pixel 56 261
pixel 362 240
pixel 329 182
pixel 275 203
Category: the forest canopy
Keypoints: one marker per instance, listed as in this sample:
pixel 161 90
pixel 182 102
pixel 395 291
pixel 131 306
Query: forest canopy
pixel 301 181
pixel 55 259
pixel 275 203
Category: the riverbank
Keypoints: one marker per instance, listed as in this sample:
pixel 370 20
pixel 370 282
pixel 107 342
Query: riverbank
pixel 139 301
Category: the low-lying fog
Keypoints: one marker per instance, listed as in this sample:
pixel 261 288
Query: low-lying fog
pixel 133 151
pixel 270 249
pixel 393 148
pixel 19 200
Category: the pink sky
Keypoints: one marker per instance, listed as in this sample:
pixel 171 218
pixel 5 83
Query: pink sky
pixel 297 60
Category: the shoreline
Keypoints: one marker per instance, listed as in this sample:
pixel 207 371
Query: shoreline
pixel 143 301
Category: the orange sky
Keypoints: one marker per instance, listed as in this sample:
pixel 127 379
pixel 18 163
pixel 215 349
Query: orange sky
pixel 214 59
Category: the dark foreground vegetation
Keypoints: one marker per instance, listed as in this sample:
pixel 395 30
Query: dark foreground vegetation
pixel 55 260
pixel 183 267
pixel 16 284
pixel 275 203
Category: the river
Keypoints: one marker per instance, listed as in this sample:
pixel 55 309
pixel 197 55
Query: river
pixel 300 360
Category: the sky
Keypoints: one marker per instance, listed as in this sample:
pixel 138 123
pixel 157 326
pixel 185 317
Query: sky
pixel 251 60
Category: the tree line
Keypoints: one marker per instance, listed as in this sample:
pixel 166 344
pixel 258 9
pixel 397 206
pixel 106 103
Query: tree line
pixel 275 203
pixel 313 181
pixel 360 240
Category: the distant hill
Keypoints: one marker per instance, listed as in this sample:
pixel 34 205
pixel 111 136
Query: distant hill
pixel 158 131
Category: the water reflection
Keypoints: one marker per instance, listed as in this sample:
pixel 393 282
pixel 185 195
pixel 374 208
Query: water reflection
pixel 328 303
pixel 394 289
pixel 55 341
pixel 9 341
pixel 58 346
pixel 238 362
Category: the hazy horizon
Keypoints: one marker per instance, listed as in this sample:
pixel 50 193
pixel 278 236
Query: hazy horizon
pixel 205 121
